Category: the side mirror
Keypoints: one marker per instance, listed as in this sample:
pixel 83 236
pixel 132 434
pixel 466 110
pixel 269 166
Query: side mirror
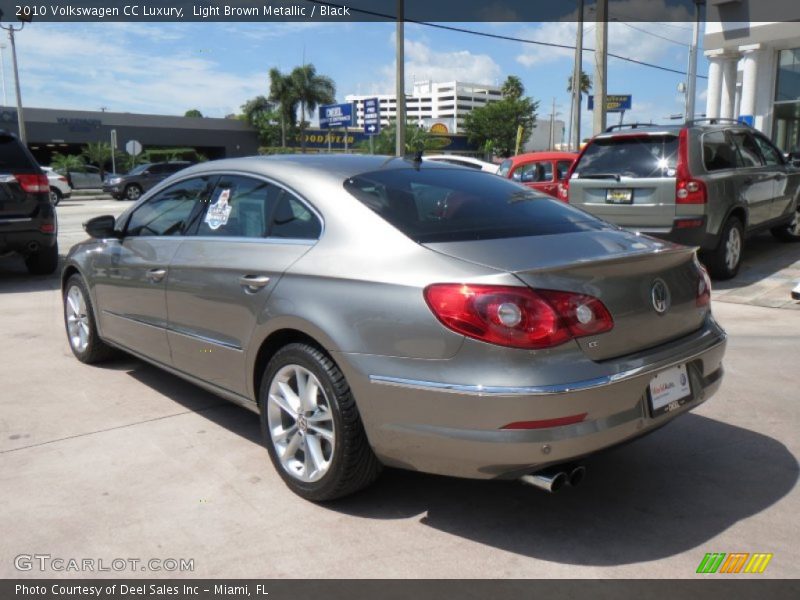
pixel 101 227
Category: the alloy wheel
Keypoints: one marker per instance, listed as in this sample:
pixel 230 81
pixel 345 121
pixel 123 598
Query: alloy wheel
pixel 733 248
pixel 77 319
pixel 133 192
pixel 794 225
pixel 301 424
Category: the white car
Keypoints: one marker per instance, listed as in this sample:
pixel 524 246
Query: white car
pixel 59 186
pixel 463 161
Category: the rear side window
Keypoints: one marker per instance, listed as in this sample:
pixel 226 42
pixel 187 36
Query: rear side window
pixel 293 219
pixel 562 168
pixel 240 207
pixel 630 156
pixel 718 151
pixel 442 205
pixel 749 155
pixel 14 156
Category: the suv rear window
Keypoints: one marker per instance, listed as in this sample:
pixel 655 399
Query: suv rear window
pixel 14 156
pixel 443 205
pixel 630 156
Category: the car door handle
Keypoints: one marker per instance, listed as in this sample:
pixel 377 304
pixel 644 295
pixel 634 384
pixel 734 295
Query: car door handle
pixel 253 283
pixel 156 275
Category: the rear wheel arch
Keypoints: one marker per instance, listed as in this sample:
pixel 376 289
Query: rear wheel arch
pixel 738 212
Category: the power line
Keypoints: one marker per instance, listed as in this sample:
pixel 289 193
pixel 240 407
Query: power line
pixel 506 38
pixel 654 34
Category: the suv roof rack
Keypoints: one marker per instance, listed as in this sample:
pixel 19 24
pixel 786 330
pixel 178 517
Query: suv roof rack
pixel 631 125
pixel 716 121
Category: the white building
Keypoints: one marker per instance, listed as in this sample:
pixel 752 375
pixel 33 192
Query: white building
pixel 445 104
pixel 754 73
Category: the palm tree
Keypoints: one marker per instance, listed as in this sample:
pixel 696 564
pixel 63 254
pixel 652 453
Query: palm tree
pixel 586 83
pixel 97 153
pixel 311 90
pixel 65 162
pixel 281 91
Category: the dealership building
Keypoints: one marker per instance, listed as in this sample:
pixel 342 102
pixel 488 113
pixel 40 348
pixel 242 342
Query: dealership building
pixel 68 131
pixel 754 72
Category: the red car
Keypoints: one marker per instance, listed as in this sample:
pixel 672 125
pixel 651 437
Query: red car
pixel 542 171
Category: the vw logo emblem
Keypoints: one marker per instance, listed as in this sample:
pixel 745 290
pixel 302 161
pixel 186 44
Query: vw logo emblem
pixel 660 296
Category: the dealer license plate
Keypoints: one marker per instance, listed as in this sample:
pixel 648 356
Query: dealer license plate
pixel 619 196
pixel 669 390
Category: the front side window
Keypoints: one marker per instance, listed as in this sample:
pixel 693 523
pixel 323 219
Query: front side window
pixel 240 207
pixel 768 151
pixel 442 205
pixel 534 172
pixel 749 154
pixel 562 168
pixel 170 211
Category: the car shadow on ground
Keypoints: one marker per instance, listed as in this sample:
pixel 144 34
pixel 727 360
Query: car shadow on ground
pixel 763 257
pixel 659 496
pixel 15 279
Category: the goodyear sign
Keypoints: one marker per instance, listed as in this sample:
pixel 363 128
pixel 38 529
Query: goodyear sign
pixel 615 102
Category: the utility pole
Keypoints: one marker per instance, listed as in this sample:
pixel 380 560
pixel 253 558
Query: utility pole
pixel 691 76
pixel 400 83
pixel 577 75
pixel 553 126
pixel 600 68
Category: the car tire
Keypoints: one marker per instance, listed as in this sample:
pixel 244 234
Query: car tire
pixel 723 262
pixel 789 232
pixel 44 261
pixel 132 192
pixel 81 326
pixel 55 196
pixel 316 441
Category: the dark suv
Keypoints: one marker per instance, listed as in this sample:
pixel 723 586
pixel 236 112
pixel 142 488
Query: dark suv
pixel 707 183
pixel 27 217
pixel 140 179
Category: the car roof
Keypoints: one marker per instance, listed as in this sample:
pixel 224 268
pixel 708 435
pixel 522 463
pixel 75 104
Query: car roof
pixel 530 156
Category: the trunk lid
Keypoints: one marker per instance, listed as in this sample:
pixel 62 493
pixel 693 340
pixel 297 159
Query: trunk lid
pixel 15 160
pixel 619 268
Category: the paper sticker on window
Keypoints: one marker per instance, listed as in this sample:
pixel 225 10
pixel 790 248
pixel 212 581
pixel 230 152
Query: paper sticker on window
pixel 218 213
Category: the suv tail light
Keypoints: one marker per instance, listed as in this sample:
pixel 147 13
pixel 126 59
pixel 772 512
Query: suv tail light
pixel 33 184
pixel 517 317
pixel 687 189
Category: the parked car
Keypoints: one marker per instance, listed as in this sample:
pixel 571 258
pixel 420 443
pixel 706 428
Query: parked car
pixel 140 179
pixel 28 223
pixel 382 311
pixel 542 171
pixel 463 161
pixel 59 185
pixel 84 177
pixel 708 183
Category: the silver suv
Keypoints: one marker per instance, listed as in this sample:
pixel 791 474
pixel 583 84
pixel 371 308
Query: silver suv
pixel 707 183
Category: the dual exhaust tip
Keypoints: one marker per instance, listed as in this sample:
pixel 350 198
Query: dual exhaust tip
pixel 554 478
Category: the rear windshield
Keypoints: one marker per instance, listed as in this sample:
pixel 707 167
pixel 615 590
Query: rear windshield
pixel 13 155
pixel 444 205
pixel 629 156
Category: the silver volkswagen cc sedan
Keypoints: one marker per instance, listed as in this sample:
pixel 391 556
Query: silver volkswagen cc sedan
pixel 384 311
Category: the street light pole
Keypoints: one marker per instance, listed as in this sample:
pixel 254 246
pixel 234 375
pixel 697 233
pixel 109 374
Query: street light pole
pixel 20 117
pixel 691 76
pixel 577 76
pixel 601 67
pixel 400 84
pixel 3 72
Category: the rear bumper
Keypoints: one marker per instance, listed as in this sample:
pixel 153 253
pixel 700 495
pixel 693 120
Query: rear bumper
pixel 17 235
pixel 454 429
pixel 689 236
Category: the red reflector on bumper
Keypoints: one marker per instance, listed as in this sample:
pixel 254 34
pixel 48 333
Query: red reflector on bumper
pixel 688 223
pixel 546 423
pixel 47 228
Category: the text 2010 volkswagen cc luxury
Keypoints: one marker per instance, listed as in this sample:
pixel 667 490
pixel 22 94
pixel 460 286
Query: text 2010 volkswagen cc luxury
pixel 381 311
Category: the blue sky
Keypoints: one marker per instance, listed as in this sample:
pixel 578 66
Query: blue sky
pixel 168 68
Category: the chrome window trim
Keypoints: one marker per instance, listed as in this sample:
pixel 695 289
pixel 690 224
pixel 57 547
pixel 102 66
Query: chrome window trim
pixel 541 390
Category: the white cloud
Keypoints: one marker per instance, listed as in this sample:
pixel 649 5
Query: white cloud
pixel 60 67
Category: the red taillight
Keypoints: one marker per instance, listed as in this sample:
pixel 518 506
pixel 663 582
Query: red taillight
pixel 62 178
pixel 47 228
pixel 33 184
pixel 687 189
pixel 517 317
pixel 703 297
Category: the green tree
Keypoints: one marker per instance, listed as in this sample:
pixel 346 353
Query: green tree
pixel 586 83
pixel 65 162
pixel 493 127
pixel 281 92
pixel 193 113
pixel 418 139
pixel 310 90
pixel 262 115
pixel 97 153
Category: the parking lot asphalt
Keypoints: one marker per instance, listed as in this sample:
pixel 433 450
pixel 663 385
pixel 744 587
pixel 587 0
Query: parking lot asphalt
pixel 125 461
